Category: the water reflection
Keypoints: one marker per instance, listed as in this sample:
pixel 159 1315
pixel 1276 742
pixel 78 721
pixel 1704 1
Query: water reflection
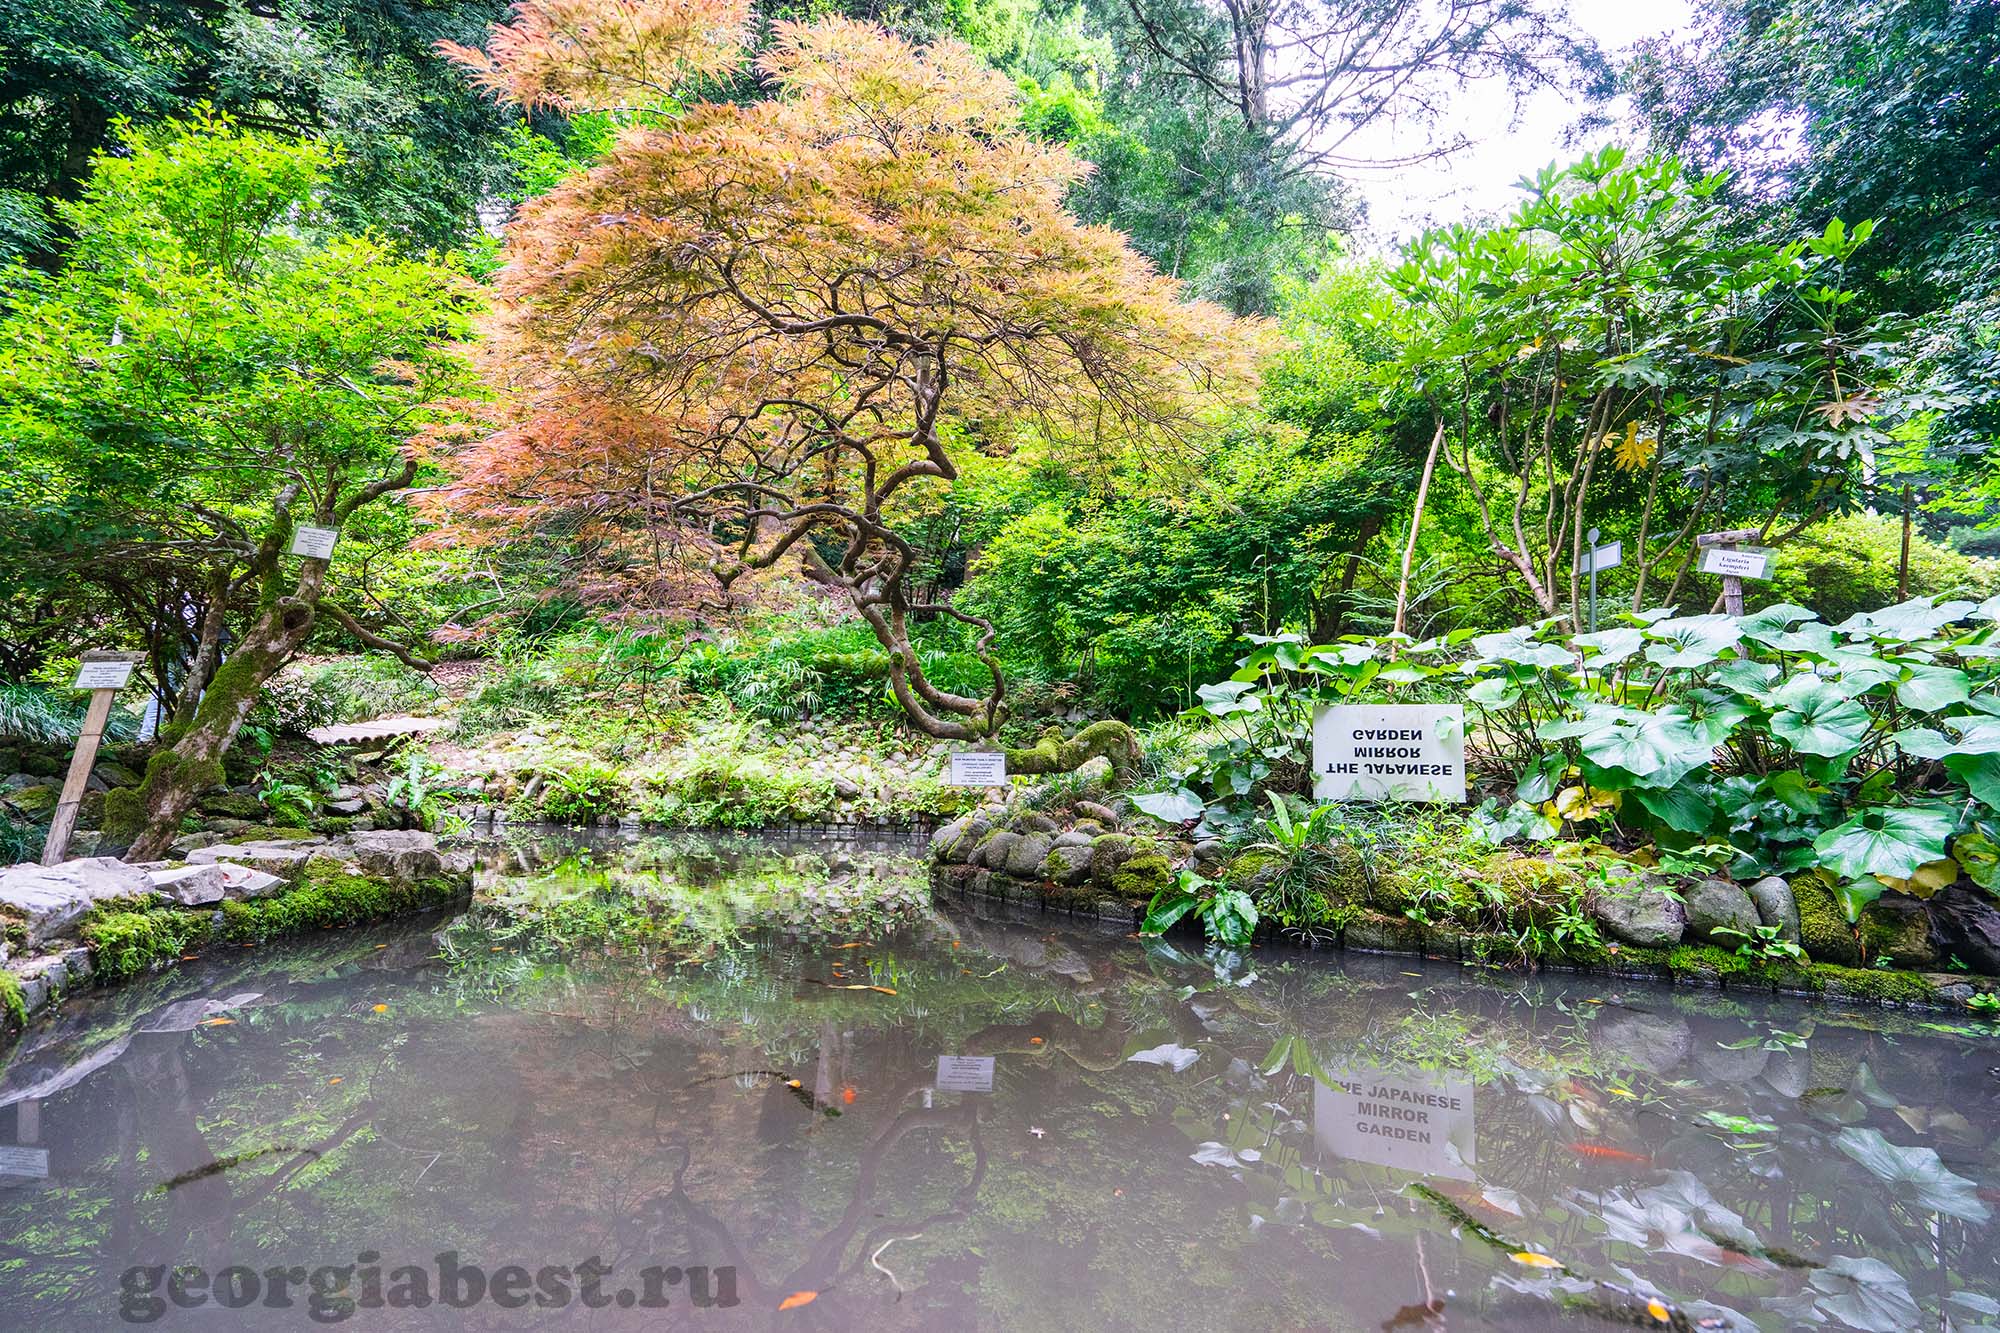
pixel 1007 1125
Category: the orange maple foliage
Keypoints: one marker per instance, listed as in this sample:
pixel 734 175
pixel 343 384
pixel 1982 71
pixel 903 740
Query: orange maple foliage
pixel 747 331
pixel 605 55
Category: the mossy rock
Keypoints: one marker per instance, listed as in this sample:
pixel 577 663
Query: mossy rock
pixel 43 764
pixel 12 1003
pixel 1107 853
pixel 33 801
pixel 1253 871
pixel 231 805
pixel 1898 928
pixel 1379 932
pixel 1143 874
pixel 126 942
pixel 1823 929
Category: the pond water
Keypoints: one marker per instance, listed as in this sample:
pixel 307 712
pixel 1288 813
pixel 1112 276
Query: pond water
pixel 822 1121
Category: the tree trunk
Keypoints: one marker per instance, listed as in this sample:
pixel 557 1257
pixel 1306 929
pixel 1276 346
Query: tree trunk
pixel 150 815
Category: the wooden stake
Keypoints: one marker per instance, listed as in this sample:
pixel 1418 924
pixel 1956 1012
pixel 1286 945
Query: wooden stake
pixel 63 823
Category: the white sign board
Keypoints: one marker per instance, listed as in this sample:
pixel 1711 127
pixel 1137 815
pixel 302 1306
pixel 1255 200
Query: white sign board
pixel 1743 562
pixel 1389 752
pixel 314 543
pixel 32 1162
pixel 979 768
pixel 1414 1121
pixel 102 674
pixel 965 1073
pixel 1600 558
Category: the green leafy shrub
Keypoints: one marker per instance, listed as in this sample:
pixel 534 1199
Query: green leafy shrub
pixel 721 790
pixel 582 792
pixel 292 705
pixel 50 717
pixel 1846 565
pixel 1865 753
pixel 523 690
pixel 365 687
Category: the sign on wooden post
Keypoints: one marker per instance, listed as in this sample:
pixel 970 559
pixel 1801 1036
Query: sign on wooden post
pixel 103 674
pixel 1389 752
pixel 1724 553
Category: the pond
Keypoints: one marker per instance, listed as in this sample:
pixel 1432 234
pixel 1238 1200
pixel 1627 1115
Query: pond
pixel 793 1114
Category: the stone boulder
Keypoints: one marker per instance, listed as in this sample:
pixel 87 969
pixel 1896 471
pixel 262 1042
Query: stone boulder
pixel 1024 859
pixel 244 882
pixel 1776 906
pixel 1108 851
pixel 1720 904
pixel 404 854
pixel 1103 814
pixel 1634 1039
pixel 993 852
pixel 49 898
pixel 1968 926
pixel 1646 915
pixel 287 860
pixel 1068 863
pixel 190 885
pixel 1896 926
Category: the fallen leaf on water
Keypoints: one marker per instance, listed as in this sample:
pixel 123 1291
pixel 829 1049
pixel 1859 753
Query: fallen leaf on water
pixel 798 1298
pixel 330 1082
pixel 381 1008
pixel 1530 1259
pixel 1659 1312
pixel 848 1095
pixel 189 957
pixel 856 944
pixel 381 946
pixel 793 1083
pixel 216 1022
pixel 853 985
pixel 955 944
pixel 1617 1091
pixel 1034 1041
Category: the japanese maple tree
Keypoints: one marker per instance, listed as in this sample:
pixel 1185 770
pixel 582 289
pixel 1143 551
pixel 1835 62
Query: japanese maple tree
pixel 752 336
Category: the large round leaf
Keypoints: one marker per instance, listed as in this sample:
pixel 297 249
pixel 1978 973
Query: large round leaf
pixel 1692 641
pixel 1906 622
pixel 1890 840
pixel 1818 718
pixel 1655 749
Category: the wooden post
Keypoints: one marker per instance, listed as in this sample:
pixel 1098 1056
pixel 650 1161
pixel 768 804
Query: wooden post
pixel 1732 586
pixel 97 673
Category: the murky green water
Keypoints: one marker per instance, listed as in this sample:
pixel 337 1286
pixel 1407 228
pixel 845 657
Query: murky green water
pixel 973 1123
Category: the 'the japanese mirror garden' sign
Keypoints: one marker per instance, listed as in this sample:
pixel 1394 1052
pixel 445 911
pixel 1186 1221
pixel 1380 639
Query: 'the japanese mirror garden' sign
pixel 1389 752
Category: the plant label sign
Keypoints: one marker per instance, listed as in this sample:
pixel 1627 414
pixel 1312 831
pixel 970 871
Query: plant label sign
pixel 1740 562
pixel 314 543
pixel 1600 558
pixel 1414 1121
pixel 1389 752
pixel 979 768
pixel 965 1073
pixel 102 673
pixel 30 1162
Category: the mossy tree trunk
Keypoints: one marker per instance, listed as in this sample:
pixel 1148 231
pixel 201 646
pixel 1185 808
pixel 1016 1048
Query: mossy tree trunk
pixel 147 818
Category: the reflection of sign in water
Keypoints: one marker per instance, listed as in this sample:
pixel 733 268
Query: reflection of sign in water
pixel 1389 752
pixel 979 768
pixel 1412 1121
pixel 314 543
pixel 30 1162
pixel 965 1073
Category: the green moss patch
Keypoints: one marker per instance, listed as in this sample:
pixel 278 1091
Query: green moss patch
pixel 124 942
pixel 329 896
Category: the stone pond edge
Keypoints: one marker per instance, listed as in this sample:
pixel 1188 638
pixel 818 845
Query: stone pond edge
pixel 1692 965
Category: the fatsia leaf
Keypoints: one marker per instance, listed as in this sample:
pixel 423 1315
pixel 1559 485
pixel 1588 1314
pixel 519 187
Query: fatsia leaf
pixel 1889 840
pixel 1684 808
pixel 1608 647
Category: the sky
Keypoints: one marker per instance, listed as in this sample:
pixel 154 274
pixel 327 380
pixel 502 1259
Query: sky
pixel 1480 179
